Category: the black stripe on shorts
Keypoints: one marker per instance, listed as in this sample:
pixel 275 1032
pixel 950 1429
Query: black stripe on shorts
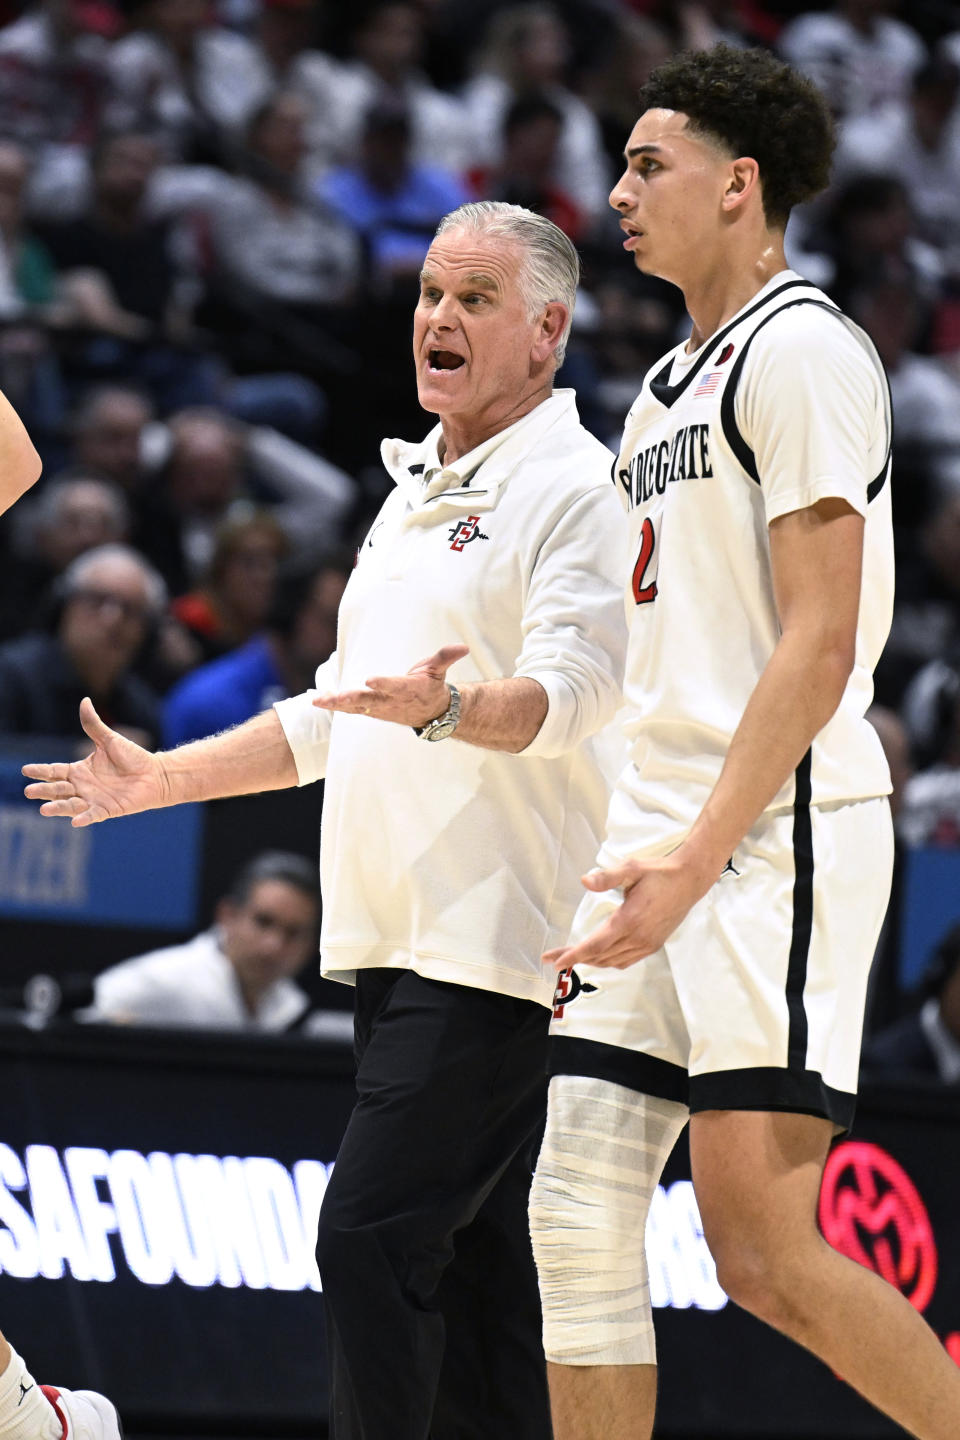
pixel 802 919
pixel 647 1074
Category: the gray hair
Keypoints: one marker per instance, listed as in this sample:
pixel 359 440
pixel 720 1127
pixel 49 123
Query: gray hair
pixel 75 575
pixel 551 266
pixel 49 508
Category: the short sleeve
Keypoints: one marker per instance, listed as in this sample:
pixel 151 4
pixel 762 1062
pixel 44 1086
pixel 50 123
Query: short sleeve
pixel 813 407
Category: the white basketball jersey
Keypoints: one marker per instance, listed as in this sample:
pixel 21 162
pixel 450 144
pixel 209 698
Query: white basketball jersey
pixel 787 404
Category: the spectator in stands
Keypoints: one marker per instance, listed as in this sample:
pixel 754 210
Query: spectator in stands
pixel 233 602
pixel 281 260
pixel 926 397
pixel 69 516
pixel 917 139
pixel 860 57
pixel 107 601
pixel 387 50
pixel 54 93
pixel 527 49
pixel 212 461
pixel 237 975
pixel 532 129
pixel 174 78
pixel 123 275
pixel 389 199
pixel 301 632
pixel 928 1041
pixel 926 616
pixel 931 709
pixel 639 45
pixel 107 431
pixel 869 231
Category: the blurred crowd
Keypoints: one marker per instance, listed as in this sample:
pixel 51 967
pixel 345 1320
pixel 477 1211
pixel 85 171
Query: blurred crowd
pixel 212 218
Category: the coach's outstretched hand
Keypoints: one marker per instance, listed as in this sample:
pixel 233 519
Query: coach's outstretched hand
pixel 412 699
pixel 116 778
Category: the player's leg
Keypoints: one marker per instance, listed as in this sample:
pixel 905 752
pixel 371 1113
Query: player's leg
pixel 603 1154
pixel 494 1377
pixel 29 1411
pixel 450 1085
pixel 757 1178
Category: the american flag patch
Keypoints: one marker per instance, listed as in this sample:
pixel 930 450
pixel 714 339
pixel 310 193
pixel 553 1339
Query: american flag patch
pixel 708 383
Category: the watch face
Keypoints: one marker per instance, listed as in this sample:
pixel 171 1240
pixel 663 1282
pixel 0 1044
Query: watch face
pixel 440 732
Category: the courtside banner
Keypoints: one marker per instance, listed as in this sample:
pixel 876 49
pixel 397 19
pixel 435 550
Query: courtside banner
pixel 139 872
pixel 158 1205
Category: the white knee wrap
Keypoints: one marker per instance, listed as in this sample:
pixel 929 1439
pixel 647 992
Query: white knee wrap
pixel 603 1154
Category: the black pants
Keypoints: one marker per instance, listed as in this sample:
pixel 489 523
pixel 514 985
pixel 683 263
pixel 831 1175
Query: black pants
pixel 433 1313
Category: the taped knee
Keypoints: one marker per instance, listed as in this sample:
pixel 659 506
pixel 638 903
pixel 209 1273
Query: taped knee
pixel 602 1157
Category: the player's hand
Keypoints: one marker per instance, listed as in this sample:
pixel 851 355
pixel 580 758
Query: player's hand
pixel 118 777
pixel 413 699
pixel 658 895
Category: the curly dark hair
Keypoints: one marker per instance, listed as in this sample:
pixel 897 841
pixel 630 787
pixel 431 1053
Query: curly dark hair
pixel 752 104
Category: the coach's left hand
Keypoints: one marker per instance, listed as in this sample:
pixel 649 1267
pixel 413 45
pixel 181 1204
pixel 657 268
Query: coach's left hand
pixel 658 895
pixel 413 699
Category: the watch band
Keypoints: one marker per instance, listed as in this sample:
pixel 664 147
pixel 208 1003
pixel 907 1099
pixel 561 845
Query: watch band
pixel 444 725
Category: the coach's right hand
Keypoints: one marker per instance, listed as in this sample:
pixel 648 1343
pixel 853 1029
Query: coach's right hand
pixel 116 778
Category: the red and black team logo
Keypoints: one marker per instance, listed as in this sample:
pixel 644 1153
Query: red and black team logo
pixel 466 531
pixel 870 1210
pixel 569 986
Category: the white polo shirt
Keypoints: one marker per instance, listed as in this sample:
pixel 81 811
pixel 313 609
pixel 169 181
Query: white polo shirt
pixel 455 861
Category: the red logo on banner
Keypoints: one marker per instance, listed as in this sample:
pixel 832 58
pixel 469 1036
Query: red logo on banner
pixel 870 1210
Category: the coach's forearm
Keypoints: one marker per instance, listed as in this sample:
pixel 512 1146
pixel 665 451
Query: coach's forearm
pixel 502 714
pixel 253 757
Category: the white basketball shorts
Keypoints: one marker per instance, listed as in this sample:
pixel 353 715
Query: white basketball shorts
pixel 756 1001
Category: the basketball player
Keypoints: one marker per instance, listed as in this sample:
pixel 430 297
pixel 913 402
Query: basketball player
pixel 19 461
pixel 456 819
pixel 722 951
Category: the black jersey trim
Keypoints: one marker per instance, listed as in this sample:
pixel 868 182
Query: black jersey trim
pixel 802 917
pixel 767 1087
pixel 647 1074
pixel 668 394
pixel 728 419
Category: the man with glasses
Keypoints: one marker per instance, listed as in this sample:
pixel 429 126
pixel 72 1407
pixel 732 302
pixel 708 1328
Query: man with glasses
pixel 105 604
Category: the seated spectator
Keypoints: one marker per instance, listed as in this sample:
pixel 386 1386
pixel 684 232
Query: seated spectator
pixel 107 601
pixel 175 77
pixel 918 140
pixel 233 602
pixel 860 57
pixel 54 93
pixel 925 395
pixel 638 47
pixel 926 615
pixel 237 975
pixel 527 50
pixel 122 275
pixel 279 257
pixel 394 203
pixel 869 231
pixel 928 1041
pixel 387 48
pixel 69 516
pixel 300 633
pixel 107 432
pixel 528 165
pixel 930 814
pixel 206 463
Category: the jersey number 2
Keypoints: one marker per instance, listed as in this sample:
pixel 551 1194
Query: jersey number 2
pixel 643 594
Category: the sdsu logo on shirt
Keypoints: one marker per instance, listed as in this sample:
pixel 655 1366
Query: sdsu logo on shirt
pixel 467 530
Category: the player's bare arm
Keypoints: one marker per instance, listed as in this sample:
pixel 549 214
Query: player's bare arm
pixel 19 462
pixel 119 777
pixel 494 714
pixel 815 558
